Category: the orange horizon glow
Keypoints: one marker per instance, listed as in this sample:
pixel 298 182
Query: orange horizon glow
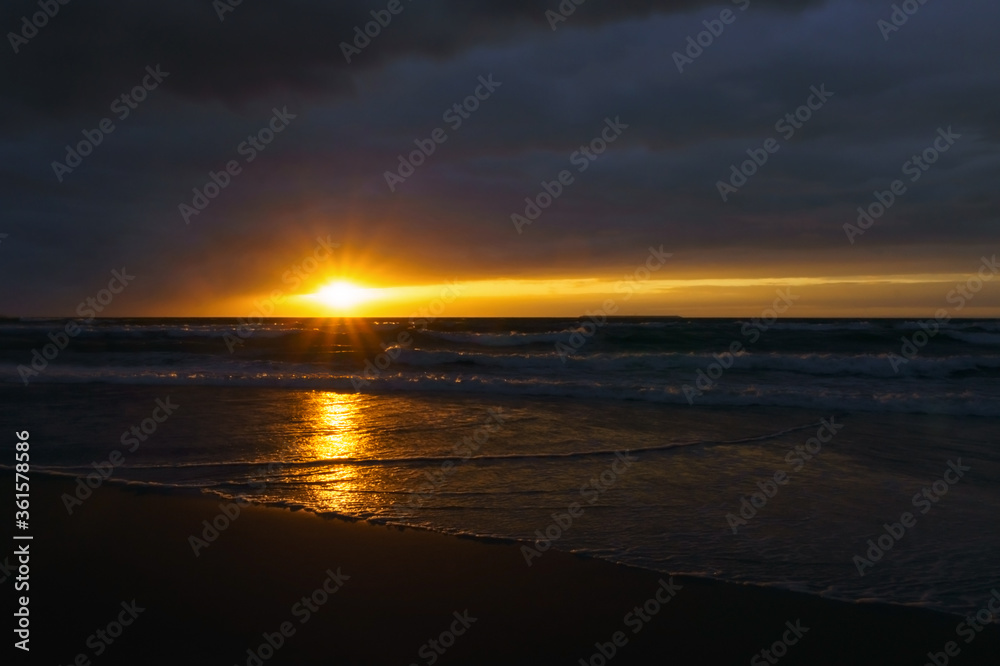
pixel 366 280
pixel 902 295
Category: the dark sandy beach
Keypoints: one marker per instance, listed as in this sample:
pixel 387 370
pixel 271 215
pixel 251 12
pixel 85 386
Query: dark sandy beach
pixel 388 592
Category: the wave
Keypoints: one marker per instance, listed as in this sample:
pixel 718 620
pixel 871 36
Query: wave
pixel 988 339
pixel 511 339
pixel 425 460
pixel 989 326
pixel 824 326
pixel 69 472
pixel 950 398
pixel 411 364
pixel 870 365
pixel 883 325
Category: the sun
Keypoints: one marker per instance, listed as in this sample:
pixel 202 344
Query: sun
pixel 342 295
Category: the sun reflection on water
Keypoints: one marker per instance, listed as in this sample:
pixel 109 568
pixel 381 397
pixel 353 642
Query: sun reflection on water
pixel 339 425
pixel 336 428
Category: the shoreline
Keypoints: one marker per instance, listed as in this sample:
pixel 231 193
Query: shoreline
pixel 142 487
pixel 402 587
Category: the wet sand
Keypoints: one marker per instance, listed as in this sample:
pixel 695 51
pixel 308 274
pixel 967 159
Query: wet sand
pixel 356 593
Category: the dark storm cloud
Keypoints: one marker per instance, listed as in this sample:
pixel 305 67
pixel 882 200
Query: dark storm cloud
pixel 89 49
pixel 686 131
pixel 326 172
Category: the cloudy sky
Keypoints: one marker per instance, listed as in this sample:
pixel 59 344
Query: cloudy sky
pixel 205 85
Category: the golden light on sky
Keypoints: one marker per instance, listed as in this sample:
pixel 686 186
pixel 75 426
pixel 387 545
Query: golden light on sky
pixel 840 295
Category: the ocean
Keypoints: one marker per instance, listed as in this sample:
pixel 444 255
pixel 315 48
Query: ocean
pixel 853 459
